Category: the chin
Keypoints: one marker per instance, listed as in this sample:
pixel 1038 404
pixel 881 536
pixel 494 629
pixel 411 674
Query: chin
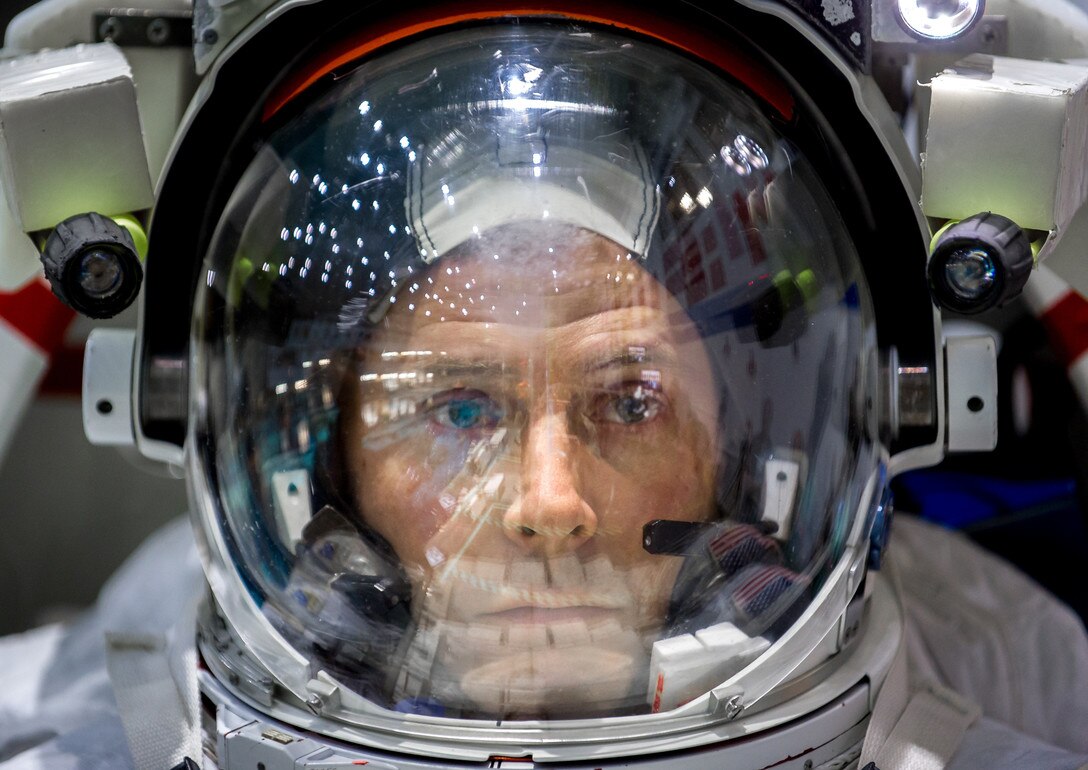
pixel 559 682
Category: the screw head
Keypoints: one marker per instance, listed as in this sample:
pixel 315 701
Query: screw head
pixel 110 29
pixel 158 31
pixel 733 707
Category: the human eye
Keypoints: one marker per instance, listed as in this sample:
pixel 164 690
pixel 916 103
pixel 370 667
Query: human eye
pixel 631 403
pixel 464 409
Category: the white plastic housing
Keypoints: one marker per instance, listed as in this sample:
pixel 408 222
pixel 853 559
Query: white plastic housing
pixel 684 667
pixel 971 366
pixel 107 387
pixel 165 77
pixel 1008 136
pixel 782 479
pixel 70 136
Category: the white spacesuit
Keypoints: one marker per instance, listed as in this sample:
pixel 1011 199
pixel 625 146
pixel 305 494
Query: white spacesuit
pixel 538 377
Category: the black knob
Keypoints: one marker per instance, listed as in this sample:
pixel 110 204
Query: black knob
pixel 980 262
pixel 92 265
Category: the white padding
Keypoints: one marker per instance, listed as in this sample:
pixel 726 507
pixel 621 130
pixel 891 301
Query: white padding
pixel 619 202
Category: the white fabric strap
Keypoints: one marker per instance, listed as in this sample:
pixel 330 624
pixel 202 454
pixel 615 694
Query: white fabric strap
pixel 890 705
pixel 929 732
pixel 154 683
pixel 921 733
pixel 914 728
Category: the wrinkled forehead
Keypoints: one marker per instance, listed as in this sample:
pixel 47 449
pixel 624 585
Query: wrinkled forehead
pixel 533 275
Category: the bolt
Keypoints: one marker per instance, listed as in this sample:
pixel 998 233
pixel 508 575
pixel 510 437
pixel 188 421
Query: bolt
pixel 314 703
pixel 733 707
pixel 158 31
pixel 110 29
pixel 209 37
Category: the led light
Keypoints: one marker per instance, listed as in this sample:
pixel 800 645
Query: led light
pixel 939 19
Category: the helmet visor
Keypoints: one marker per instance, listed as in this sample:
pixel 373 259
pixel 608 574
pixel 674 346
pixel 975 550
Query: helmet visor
pixel 535 375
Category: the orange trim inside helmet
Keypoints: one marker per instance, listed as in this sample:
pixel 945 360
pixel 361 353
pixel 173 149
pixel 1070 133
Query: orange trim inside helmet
pixel 752 74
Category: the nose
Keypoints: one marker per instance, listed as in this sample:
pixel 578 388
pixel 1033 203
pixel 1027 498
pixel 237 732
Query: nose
pixel 551 516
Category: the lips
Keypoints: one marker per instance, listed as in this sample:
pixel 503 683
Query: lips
pixel 489 595
pixel 538 615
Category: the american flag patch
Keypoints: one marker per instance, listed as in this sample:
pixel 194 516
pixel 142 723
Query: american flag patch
pixel 741 545
pixel 763 587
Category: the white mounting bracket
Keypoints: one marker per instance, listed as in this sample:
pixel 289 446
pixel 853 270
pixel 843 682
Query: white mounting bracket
pixel 107 387
pixel 971 377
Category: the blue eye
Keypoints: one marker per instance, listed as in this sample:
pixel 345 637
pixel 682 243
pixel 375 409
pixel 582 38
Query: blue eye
pixel 633 405
pixel 465 410
pixel 463 413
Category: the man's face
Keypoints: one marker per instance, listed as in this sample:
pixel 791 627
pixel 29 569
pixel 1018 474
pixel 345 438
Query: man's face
pixel 526 407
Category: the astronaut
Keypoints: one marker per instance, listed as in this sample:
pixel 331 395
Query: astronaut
pixel 538 377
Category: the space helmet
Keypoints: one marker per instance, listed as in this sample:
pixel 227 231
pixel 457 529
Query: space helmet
pixel 535 388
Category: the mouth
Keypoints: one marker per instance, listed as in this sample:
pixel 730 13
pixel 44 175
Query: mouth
pixel 538 615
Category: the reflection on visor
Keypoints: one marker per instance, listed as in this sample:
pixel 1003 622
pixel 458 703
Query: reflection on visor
pixel 549 402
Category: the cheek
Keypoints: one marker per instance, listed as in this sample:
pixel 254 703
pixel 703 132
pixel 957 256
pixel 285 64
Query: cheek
pixel 401 490
pixel 652 579
pixel 665 471
pixel 640 481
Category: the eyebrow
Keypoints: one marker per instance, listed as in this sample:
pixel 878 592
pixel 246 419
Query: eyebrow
pixel 456 367
pixel 433 367
pixel 633 354
pixel 588 359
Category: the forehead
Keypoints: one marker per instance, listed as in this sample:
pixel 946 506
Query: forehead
pixel 540 275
